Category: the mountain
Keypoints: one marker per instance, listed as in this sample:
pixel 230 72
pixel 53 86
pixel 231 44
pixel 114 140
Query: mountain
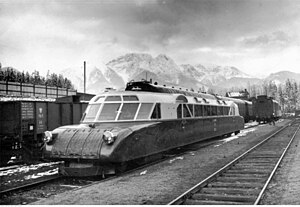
pixel 98 78
pixel 164 70
pixel 136 66
pixel 75 74
pixel 213 75
pixel 103 78
pixel 282 76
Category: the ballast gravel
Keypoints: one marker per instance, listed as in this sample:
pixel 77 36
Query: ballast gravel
pixel 161 183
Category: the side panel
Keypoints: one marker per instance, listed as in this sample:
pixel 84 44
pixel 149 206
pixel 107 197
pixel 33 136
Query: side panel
pixel 10 119
pixel 242 109
pixel 77 113
pixel 66 114
pixel 171 134
pixel 54 118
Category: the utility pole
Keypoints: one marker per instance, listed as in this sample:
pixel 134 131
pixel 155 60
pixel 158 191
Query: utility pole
pixel 84 78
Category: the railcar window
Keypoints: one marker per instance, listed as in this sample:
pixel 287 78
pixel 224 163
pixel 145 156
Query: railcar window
pixel 198 110
pixel 91 112
pixel 179 111
pixel 109 111
pixel 214 111
pixel 191 106
pixel 181 98
pixel 206 110
pixel 220 110
pixel 113 98
pixel 130 98
pixel 156 112
pixel 144 111
pixel 128 111
pixel 186 112
pixel 226 110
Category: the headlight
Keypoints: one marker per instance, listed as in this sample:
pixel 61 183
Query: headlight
pixel 108 137
pixel 48 136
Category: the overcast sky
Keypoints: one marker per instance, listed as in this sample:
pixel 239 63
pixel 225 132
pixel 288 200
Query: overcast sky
pixel 256 36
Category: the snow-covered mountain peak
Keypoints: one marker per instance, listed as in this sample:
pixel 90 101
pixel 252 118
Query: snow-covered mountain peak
pixel 164 70
pixel 130 58
pixel 163 58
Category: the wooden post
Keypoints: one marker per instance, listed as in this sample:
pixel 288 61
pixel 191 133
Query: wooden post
pixel 84 66
pixel 21 91
pixel 33 89
pixel 6 87
pixel 46 91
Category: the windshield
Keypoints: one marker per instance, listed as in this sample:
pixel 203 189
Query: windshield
pixel 128 111
pixel 118 111
pixel 91 112
pixel 109 111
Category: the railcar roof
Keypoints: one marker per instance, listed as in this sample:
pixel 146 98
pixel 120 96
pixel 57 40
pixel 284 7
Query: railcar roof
pixel 236 100
pixel 144 96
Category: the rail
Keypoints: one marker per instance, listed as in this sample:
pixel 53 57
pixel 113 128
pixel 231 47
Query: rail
pixel 31 184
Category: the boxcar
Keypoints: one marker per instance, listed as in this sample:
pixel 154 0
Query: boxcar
pixel 245 108
pixel 266 109
pixel 22 124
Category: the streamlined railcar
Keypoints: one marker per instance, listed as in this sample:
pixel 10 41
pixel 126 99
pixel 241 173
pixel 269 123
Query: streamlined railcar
pixel 125 126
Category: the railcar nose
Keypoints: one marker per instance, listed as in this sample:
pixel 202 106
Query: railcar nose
pixel 78 143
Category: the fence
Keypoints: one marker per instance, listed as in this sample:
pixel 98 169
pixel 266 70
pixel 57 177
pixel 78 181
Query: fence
pixel 27 90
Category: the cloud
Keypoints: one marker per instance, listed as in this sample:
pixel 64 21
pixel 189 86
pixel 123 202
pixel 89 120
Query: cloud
pixel 66 32
pixel 277 38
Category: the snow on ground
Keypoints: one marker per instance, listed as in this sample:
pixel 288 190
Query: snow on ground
pixel 41 174
pixel 26 168
pixel 243 133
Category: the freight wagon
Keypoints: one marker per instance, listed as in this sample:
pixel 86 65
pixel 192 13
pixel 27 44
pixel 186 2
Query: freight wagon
pixel 245 108
pixel 266 109
pixel 22 124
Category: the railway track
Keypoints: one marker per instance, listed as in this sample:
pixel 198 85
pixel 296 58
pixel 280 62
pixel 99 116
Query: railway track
pixel 244 180
pixel 29 185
